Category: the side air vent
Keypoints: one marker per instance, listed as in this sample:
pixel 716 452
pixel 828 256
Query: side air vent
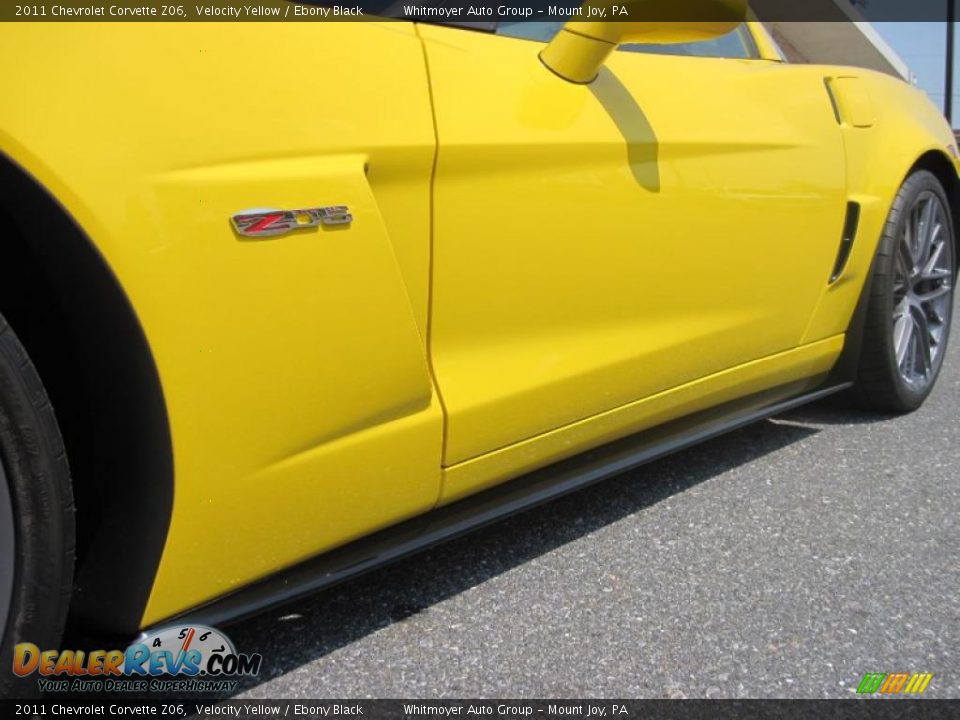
pixel 846 240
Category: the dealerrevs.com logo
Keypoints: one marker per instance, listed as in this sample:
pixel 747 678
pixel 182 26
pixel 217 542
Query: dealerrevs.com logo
pixel 177 658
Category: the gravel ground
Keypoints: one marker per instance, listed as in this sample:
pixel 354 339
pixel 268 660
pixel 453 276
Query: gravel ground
pixel 783 560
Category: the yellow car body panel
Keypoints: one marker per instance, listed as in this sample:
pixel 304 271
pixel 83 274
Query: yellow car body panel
pixel 605 272
pixel 286 364
pixel 811 362
pixel 534 268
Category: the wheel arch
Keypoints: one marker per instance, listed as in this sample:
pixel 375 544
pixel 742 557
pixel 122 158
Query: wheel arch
pixel 70 312
pixel 943 168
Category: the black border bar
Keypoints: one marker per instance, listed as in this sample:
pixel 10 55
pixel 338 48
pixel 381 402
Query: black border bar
pixel 482 12
pixel 526 709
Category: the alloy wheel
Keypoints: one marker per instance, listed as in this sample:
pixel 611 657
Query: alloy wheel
pixel 922 291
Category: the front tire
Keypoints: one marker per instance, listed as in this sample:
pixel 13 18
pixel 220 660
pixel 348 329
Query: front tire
pixel 911 300
pixel 36 515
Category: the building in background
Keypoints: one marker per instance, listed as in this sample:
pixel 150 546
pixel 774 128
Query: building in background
pixel 843 37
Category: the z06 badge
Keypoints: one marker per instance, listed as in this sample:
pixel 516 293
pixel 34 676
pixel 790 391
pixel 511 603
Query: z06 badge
pixel 268 223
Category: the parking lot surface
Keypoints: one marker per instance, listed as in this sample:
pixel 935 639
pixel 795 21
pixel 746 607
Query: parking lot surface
pixel 783 560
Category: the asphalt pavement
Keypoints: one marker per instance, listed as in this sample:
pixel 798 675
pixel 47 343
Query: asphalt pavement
pixel 783 560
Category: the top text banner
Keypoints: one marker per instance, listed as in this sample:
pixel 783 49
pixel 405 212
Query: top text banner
pixel 479 15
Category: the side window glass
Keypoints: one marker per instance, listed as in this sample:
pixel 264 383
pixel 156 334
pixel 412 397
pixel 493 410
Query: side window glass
pixel 736 44
pixel 541 31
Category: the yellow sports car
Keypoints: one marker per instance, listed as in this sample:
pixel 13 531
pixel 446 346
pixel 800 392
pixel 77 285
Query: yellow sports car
pixel 280 307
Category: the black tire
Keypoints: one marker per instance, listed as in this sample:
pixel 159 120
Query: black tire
pixel 38 492
pixel 880 382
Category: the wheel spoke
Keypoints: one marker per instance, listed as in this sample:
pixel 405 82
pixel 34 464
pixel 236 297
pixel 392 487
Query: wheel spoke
pixel 902 336
pixel 933 294
pixel 905 253
pixel 930 265
pixel 937 229
pixel 925 232
pixel 925 342
pixel 904 262
pixel 910 361
pixel 937 275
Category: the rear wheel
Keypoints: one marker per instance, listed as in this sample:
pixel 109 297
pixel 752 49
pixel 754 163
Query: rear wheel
pixel 911 300
pixel 36 515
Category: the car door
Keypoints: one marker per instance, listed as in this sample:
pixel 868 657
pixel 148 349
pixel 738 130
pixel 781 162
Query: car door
pixel 597 244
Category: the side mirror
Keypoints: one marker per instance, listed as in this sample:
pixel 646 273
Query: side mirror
pixel 579 50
